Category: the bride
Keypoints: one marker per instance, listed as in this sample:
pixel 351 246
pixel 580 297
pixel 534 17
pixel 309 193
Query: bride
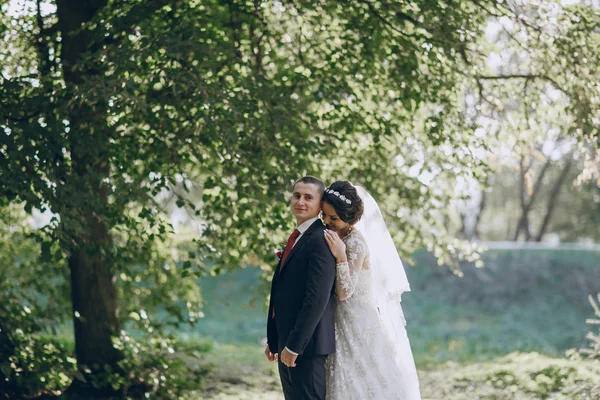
pixel 373 359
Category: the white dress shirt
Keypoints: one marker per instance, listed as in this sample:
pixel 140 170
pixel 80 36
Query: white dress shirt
pixel 303 227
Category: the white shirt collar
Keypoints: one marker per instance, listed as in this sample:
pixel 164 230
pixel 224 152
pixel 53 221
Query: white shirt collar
pixel 306 224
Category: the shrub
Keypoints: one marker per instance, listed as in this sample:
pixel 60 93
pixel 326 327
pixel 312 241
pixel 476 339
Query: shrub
pixel 593 351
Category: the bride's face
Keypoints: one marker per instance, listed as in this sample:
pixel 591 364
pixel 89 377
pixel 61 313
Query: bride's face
pixel 331 219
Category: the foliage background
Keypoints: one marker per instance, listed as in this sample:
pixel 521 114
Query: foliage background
pixel 145 146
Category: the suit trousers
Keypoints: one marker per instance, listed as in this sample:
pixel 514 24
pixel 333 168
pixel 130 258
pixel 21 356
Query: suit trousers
pixel 305 381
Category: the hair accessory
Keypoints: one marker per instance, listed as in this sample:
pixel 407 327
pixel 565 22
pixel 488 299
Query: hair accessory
pixel 337 194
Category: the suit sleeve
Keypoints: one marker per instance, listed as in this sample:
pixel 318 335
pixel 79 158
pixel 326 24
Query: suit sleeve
pixel 272 337
pixel 320 280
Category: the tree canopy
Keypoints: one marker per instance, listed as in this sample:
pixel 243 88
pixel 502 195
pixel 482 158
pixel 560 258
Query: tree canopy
pixel 112 110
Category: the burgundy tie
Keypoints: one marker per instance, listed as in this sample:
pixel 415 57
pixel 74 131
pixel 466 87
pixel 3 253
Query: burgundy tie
pixel 288 246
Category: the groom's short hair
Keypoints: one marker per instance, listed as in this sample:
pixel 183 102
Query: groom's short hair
pixel 315 181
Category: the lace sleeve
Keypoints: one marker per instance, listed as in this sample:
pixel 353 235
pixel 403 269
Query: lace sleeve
pixel 347 272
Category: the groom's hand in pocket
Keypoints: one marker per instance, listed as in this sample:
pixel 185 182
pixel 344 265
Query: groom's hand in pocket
pixel 270 356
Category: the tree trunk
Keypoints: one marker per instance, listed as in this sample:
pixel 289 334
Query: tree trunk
pixel 95 320
pixel 553 198
pixel 523 223
pixel 482 205
pixel 462 233
pixel 523 217
pixel 93 289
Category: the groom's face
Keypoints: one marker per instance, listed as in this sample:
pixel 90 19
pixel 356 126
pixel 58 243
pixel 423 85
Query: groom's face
pixel 306 202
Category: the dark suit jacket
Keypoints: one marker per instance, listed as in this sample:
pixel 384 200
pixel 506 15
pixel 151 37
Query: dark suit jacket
pixel 302 296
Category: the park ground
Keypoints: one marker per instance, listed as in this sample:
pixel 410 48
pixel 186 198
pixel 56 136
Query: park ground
pixel 505 331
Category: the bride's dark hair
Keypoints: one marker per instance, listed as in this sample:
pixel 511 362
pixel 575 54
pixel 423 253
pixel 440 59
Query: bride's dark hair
pixel 338 194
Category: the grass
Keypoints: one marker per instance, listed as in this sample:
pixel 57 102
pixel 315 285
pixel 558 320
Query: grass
pixel 522 300
pixel 233 312
pixel 498 333
pixel 242 372
pixel 236 371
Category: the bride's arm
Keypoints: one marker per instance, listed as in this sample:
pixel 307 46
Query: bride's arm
pixel 347 272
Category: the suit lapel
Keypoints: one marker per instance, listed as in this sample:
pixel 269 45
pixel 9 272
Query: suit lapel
pixel 298 245
pixel 277 271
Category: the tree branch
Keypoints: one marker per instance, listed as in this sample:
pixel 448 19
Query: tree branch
pixel 137 14
pixel 24 118
pixel 523 218
pixel 522 76
pixel 381 18
pixel 553 198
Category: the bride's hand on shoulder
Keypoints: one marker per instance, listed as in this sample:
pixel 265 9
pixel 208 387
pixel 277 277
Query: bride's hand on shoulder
pixel 336 245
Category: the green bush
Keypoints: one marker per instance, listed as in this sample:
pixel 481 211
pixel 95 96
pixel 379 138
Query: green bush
pixel 502 379
pixel 38 365
pixel 550 379
pixel 158 367
pixel 593 351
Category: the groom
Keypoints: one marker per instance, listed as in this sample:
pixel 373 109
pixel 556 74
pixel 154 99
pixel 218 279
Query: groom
pixel 300 330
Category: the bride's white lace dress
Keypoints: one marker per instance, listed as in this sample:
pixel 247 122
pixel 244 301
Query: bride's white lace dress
pixel 367 364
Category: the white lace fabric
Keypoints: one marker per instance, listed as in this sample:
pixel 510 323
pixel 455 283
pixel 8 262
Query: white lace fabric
pixel 348 272
pixel 367 364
